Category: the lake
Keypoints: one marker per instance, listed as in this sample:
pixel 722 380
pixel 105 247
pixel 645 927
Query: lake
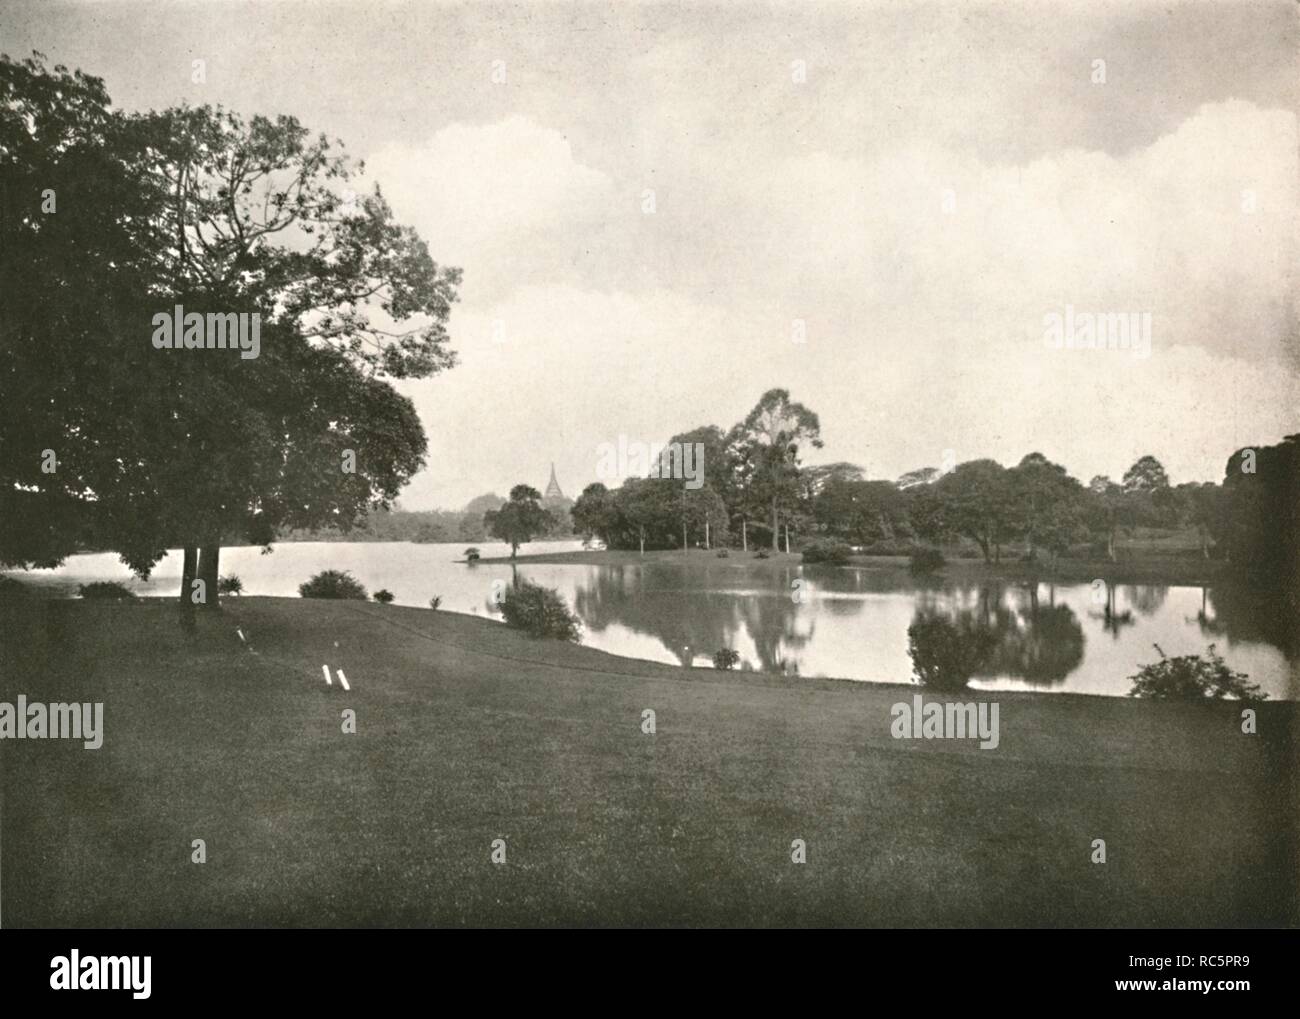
pixel 810 621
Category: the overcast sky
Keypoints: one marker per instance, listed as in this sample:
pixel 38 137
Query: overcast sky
pixel 920 192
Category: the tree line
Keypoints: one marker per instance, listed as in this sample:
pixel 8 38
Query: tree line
pixel 756 490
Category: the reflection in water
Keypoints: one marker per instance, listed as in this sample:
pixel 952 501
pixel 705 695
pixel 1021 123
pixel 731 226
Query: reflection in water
pixel 1147 599
pixel 694 614
pixel 948 648
pixel 1039 644
pixel 854 623
pixel 847 622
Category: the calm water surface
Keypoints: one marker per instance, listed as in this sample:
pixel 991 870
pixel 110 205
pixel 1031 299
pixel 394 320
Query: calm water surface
pixel 809 621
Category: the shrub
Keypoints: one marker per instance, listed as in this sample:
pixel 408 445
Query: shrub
pixel 539 611
pixel 762 553
pixel 926 560
pixel 835 553
pixel 725 659
pixel 1193 677
pixel 105 589
pixel 230 585
pixel 472 555
pixel 383 596
pixel 333 584
pixel 723 553
pixel 435 601
pixel 947 651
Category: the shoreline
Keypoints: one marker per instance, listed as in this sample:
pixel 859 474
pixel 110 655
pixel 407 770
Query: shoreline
pixel 1147 570
pixel 560 654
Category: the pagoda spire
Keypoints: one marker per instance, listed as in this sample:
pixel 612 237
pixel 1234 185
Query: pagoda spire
pixel 553 487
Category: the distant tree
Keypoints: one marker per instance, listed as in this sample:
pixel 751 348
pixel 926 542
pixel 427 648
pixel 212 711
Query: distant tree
pixel 861 511
pixel 922 476
pixel 1146 475
pixel 1049 504
pixel 1202 505
pixel 595 514
pixel 649 512
pixel 480 504
pixel 471 528
pixel 768 442
pixel 1109 510
pixel 979 502
pixel 519 520
pixel 813 480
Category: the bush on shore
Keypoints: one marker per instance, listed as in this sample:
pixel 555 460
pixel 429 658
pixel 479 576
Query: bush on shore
pixel 1193 677
pixel 540 612
pixel 334 584
pixel 105 589
pixel 230 585
pixel 833 553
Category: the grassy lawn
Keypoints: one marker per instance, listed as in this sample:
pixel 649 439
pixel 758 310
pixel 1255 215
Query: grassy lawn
pixel 469 732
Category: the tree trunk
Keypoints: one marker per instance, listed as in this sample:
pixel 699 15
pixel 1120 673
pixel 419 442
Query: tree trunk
pixel 707 546
pixel 209 572
pixel 643 539
pixel 683 533
pixel 189 570
pixel 744 535
pixel 787 539
pixel 1110 544
pixel 776 527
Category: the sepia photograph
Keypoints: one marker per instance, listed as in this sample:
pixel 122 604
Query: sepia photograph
pixel 620 464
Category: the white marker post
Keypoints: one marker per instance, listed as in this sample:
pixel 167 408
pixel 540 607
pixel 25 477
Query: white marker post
pixel 326 670
pixel 344 680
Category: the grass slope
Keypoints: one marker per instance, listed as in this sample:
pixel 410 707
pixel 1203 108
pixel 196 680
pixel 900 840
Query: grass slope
pixel 469 732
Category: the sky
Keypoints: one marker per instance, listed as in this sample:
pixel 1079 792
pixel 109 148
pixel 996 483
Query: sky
pixel 663 211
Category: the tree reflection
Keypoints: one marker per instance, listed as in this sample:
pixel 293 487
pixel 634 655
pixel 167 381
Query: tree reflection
pixel 693 613
pixel 1039 644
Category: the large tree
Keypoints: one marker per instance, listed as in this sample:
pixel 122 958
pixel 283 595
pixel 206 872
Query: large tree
pixel 77 254
pixel 159 448
pixel 767 446
pixel 520 520
pixel 979 502
pixel 1050 505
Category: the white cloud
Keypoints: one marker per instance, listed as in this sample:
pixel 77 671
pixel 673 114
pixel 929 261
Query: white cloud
pixel 496 199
